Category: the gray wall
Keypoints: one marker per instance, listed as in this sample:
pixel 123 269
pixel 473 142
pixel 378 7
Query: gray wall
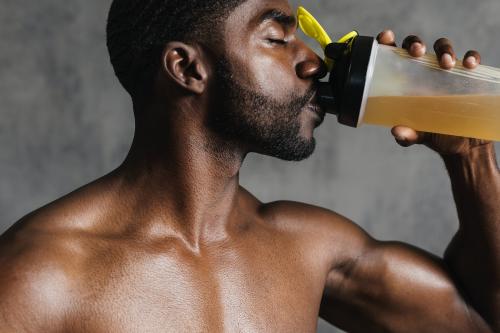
pixel 65 120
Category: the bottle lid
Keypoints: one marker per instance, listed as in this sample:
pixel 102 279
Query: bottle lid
pixel 347 91
pixel 351 62
pixel 355 83
pixel 312 28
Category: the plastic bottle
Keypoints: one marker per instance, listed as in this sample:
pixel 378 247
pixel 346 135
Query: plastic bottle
pixel 382 85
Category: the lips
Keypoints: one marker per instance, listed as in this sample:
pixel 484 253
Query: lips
pixel 318 111
pixel 314 107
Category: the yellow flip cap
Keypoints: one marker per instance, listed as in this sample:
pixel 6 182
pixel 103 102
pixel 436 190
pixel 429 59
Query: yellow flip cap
pixel 311 27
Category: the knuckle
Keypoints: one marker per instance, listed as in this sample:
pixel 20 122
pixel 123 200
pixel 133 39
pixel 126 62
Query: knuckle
pixel 386 37
pixel 442 41
pixel 474 54
pixel 443 45
pixel 409 40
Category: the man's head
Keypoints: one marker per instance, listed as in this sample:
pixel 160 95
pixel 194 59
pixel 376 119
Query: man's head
pixel 240 60
pixel 138 31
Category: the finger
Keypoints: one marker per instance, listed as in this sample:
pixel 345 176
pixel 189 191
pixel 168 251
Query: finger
pixel 406 136
pixel 414 45
pixel 445 53
pixel 472 59
pixel 387 37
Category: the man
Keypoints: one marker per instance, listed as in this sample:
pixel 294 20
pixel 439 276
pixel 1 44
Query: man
pixel 169 242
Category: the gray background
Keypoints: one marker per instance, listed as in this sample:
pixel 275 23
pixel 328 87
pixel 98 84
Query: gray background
pixel 66 121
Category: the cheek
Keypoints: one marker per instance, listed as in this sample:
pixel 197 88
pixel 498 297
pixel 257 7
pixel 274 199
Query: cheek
pixel 267 70
pixel 272 75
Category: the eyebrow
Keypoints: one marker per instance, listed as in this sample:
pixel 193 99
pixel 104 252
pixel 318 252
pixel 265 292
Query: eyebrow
pixel 282 18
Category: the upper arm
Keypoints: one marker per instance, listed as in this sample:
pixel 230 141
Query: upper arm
pixel 392 287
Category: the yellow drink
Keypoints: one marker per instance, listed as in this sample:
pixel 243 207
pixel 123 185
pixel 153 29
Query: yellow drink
pixel 474 116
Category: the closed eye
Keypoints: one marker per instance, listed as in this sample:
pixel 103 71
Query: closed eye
pixel 277 41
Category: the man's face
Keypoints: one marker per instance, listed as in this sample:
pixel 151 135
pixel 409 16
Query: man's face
pixel 264 83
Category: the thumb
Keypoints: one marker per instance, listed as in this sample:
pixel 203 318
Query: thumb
pixel 407 137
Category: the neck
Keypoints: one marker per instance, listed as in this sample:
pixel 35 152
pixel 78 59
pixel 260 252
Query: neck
pixel 182 177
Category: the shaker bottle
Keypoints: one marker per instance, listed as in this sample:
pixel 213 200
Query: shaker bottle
pixel 383 85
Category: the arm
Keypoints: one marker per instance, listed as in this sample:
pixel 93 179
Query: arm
pixel 474 254
pixel 394 287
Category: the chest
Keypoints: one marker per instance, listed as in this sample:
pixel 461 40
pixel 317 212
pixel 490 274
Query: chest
pixel 260 289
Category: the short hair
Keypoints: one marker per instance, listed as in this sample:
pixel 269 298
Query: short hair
pixel 138 30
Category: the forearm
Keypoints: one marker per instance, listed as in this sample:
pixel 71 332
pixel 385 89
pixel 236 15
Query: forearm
pixel 474 254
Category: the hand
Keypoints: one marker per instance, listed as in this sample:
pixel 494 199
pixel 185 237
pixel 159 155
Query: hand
pixel 442 144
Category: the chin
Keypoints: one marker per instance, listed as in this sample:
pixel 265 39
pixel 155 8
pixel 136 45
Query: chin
pixel 301 150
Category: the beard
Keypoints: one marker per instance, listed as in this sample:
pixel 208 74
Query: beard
pixel 258 122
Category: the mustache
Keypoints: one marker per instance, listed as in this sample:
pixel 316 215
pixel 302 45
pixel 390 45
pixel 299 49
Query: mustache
pixel 298 102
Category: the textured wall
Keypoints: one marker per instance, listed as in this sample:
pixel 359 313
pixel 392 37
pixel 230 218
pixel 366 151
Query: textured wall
pixel 65 120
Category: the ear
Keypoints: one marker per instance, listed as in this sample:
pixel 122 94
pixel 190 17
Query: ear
pixel 183 65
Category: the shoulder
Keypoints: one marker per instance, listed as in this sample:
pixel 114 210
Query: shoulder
pixel 291 212
pixel 323 232
pixel 38 266
pixel 309 218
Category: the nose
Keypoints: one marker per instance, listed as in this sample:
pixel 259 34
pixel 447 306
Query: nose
pixel 310 66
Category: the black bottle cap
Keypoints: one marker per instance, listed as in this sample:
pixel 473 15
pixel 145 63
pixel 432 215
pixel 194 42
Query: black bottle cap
pixel 345 93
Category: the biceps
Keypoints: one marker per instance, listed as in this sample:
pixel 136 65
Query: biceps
pixel 397 288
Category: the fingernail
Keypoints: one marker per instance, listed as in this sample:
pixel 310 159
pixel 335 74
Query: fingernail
pixel 415 47
pixel 471 61
pixel 447 58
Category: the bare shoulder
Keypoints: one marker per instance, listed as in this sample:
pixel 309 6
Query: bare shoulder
pixel 324 231
pixel 306 218
pixel 293 212
pixel 36 271
pixel 40 257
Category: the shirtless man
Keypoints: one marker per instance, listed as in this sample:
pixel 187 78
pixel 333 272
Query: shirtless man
pixel 169 241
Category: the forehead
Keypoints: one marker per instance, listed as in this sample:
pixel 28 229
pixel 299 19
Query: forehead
pixel 250 12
